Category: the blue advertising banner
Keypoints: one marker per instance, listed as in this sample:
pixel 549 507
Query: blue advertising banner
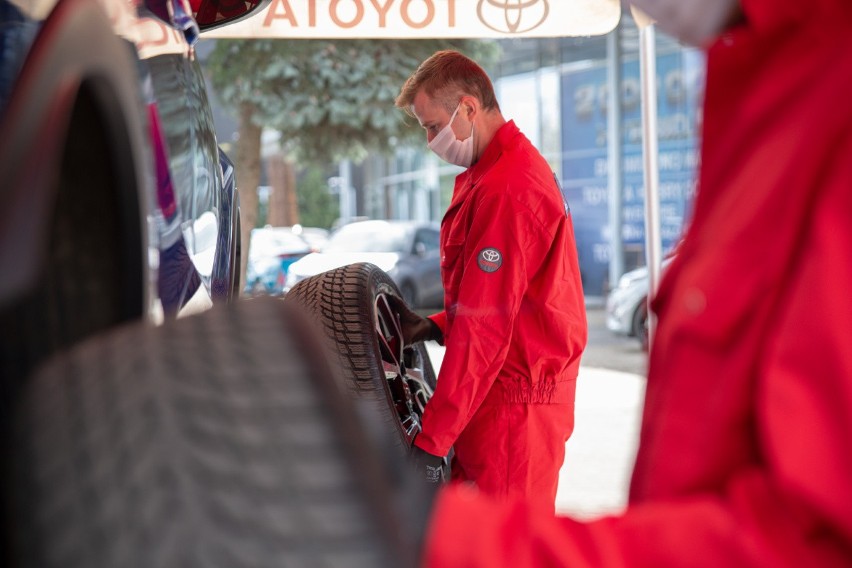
pixel 680 84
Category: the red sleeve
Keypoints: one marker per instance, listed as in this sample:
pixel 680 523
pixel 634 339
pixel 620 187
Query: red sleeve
pixel 471 531
pixel 488 303
pixel 754 525
pixel 791 508
pixel 805 417
pixel 794 509
pixel 440 319
pixel 767 16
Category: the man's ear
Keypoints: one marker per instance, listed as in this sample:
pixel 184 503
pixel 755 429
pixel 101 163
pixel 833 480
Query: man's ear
pixel 469 107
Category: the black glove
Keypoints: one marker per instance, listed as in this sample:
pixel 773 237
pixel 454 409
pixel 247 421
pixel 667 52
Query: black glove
pixel 421 490
pixel 414 328
pixel 427 467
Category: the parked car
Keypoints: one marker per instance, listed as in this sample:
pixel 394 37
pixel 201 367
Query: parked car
pixel 627 304
pixel 406 250
pixel 117 202
pixel 271 252
pixel 315 236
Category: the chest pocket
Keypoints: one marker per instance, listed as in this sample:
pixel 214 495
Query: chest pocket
pixel 451 275
pixel 451 255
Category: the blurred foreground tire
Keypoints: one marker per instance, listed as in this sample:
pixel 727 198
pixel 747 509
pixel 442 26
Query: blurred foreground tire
pixel 350 306
pixel 222 439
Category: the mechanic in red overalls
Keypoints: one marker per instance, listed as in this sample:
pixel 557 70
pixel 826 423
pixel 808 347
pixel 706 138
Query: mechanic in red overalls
pixel 745 456
pixel 514 323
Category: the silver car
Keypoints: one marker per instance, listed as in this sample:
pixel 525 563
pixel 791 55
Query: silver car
pixel 627 305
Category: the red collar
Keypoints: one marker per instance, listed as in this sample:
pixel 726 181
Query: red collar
pixel 468 179
pixel 501 140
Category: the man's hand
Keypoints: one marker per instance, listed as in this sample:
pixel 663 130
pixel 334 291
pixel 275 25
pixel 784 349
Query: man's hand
pixel 414 328
pixel 428 468
pixel 421 490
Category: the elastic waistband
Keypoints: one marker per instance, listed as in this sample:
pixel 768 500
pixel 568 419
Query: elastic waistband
pixel 520 390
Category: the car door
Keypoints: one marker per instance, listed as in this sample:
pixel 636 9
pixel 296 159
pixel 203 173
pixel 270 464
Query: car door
pixel 427 266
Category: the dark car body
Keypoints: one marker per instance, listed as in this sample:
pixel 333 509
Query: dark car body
pixel 117 201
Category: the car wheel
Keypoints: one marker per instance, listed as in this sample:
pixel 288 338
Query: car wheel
pixel 72 170
pixel 222 438
pixel 92 275
pixel 639 327
pixel 394 382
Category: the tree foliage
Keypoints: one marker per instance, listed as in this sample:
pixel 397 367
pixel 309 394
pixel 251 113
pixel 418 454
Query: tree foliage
pixel 330 99
pixel 317 207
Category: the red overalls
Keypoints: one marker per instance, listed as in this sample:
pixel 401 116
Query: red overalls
pixel 745 456
pixel 514 325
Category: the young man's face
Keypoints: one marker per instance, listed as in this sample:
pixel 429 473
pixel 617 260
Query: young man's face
pixel 433 117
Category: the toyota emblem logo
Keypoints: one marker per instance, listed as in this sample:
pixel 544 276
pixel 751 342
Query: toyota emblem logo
pixel 489 259
pixel 512 16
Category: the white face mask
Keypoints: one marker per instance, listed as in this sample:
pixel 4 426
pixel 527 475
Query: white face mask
pixel 451 149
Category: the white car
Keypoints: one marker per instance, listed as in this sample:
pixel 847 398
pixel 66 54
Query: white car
pixel 627 305
pixel 271 252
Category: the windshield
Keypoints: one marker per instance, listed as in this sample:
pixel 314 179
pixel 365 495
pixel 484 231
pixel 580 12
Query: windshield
pixel 369 237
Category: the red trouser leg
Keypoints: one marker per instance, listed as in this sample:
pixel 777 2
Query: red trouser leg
pixel 515 450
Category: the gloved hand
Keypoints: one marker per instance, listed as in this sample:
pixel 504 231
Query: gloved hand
pixel 414 328
pixel 421 491
pixel 427 467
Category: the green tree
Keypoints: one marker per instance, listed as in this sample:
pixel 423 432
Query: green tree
pixel 329 99
pixel 317 206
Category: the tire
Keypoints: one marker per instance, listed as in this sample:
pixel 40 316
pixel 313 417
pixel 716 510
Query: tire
pixel 73 174
pixel 90 279
pixel 220 439
pixel 363 334
pixel 639 325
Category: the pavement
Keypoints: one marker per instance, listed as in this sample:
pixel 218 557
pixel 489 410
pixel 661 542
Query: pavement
pixel 595 477
pixel 599 455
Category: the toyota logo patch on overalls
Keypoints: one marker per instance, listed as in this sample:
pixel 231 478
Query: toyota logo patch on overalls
pixel 489 259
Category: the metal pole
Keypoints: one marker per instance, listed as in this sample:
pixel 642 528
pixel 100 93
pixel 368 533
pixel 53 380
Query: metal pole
pixel 653 243
pixel 614 155
pixel 345 192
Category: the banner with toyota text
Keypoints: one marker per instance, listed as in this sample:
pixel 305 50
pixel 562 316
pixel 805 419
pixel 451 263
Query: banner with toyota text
pixel 411 19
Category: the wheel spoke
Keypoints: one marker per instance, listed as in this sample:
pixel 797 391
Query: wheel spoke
pixel 403 368
pixel 388 330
